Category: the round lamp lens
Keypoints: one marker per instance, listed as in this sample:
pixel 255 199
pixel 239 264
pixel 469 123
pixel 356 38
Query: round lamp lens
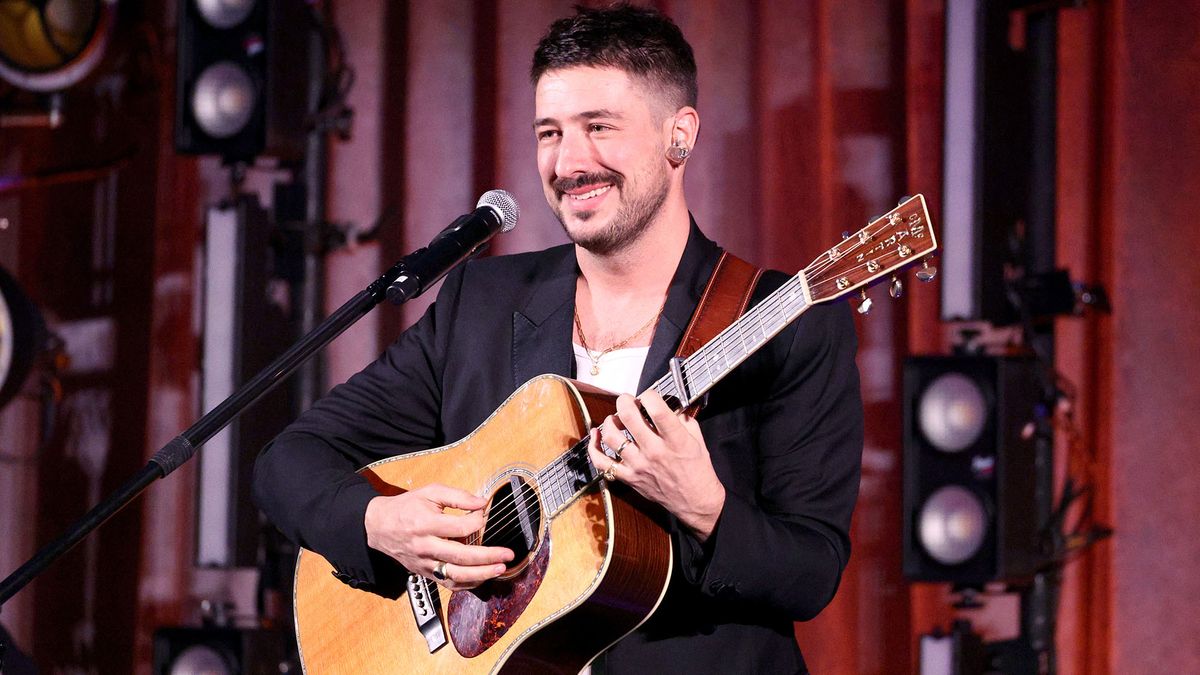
pixel 952 525
pixel 43 36
pixel 223 100
pixel 201 660
pixel 224 13
pixel 952 412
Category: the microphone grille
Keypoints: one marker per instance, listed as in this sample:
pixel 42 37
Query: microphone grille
pixel 504 203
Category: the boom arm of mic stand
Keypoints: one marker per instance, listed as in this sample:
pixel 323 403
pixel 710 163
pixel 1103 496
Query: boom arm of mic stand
pixel 184 446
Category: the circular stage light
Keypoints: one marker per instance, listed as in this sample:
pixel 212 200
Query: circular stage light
pixel 952 525
pixel 49 45
pixel 224 13
pixel 202 659
pixel 22 332
pixel 223 100
pixel 952 412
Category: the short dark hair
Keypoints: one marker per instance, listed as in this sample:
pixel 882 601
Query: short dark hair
pixel 637 40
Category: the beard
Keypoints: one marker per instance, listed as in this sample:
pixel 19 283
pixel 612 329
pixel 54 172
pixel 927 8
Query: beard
pixel 633 217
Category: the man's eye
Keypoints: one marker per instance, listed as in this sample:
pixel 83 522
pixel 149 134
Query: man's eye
pixel 597 128
pixel 547 134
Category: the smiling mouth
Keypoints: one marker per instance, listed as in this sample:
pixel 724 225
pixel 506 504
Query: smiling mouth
pixel 590 194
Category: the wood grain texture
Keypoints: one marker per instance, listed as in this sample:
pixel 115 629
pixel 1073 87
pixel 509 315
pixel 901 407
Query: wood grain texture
pixel 598 543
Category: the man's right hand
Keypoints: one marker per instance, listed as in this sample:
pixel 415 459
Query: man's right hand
pixel 414 529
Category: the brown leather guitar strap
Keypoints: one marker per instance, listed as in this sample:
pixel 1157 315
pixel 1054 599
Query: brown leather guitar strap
pixel 725 298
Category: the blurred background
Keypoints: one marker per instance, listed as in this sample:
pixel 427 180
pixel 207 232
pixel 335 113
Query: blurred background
pixel 187 186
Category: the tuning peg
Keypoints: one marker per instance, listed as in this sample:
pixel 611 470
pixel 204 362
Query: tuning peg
pixel 864 307
pixel 903 199
pixel 896 288
pixel 927 272
pixel 845 234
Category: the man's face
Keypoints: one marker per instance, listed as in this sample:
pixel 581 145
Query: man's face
pixel 600 155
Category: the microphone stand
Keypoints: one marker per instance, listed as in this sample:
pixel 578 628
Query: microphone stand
pixel 182 447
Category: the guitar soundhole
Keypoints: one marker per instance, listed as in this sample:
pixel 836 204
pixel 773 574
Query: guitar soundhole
pixel 514 520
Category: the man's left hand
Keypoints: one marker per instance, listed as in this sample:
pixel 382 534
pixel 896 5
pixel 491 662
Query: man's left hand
pixel 667 463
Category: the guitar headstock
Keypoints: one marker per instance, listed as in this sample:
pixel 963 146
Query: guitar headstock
pixel 897 239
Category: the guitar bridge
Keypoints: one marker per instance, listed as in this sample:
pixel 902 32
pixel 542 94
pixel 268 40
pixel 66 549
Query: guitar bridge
pixel 425 600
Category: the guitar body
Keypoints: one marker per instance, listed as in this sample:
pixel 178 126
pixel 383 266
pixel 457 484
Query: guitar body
pixel 600 565
pixel 600 568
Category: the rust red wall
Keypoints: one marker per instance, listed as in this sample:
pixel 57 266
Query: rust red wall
pixel 1153 174
pixel 821 108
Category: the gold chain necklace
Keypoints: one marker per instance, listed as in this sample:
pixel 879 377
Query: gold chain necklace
pixel 596 359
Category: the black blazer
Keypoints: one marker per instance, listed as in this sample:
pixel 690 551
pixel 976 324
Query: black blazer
pixel 784 430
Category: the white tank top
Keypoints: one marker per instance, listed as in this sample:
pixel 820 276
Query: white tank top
pixel 620 370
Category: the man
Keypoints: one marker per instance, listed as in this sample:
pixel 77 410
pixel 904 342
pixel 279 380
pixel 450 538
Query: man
pixel 760 487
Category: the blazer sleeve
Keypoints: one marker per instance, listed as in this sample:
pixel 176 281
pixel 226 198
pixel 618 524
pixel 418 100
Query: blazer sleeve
pixel 306 479
pixel 784 547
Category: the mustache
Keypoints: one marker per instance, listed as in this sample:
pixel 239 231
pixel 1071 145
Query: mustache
pixel 564 184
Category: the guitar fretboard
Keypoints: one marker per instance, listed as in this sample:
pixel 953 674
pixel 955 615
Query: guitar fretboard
pixel 564 478
pixel 568 475
pixel 704 368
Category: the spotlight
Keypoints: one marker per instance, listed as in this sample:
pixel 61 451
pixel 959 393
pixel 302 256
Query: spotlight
pixel 952 412
pixel 204 660
pixel 224 14
pixel 22 333
pixel 952 525
pixel 219 650
pixel 242 78
pixel 49 45
pixel 970 476
pixel 223 100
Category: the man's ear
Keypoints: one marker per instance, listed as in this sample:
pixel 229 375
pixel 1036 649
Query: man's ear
pixel 685 127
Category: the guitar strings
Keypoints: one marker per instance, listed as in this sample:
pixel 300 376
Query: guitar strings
pixel 557 468
pixel 506 515
pixel 722 345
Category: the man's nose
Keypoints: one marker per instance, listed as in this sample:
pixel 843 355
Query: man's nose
pixel 575 155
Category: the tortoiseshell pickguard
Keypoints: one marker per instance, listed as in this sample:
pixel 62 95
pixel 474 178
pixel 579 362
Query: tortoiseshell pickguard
pixel 481 616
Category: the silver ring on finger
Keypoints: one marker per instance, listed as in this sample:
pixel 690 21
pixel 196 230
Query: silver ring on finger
pixel 621 447
pixel 628 437
pixel 439 572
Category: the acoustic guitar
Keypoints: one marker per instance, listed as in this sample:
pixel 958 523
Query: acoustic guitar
pixel 592 560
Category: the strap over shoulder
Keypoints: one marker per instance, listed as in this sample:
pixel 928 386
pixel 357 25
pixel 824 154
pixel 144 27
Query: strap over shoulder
pixel 725 298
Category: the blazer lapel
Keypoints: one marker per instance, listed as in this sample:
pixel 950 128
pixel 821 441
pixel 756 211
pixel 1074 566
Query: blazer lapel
pixel 700 256
pixel 542 328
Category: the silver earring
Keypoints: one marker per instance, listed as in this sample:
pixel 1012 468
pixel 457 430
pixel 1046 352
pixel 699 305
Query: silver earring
pixel 678 152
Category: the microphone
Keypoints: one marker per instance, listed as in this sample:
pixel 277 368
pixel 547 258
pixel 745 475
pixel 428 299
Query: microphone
pixel 496 211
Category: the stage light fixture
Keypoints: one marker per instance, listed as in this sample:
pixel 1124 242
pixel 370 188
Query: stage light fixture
pixel 952 412
pixel 49 45
pixel 22 333
pixel 203 660
pixel 219 650
pixel 952 525
pixel 224 13
pixel 970 475
pixel 223 100
pixel 242 78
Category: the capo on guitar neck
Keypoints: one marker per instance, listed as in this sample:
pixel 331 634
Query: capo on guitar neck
pixel 676 366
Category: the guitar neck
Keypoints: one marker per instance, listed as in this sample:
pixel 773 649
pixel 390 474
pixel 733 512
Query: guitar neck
pixel 889 243
pixel 571 472
pixel 709 364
